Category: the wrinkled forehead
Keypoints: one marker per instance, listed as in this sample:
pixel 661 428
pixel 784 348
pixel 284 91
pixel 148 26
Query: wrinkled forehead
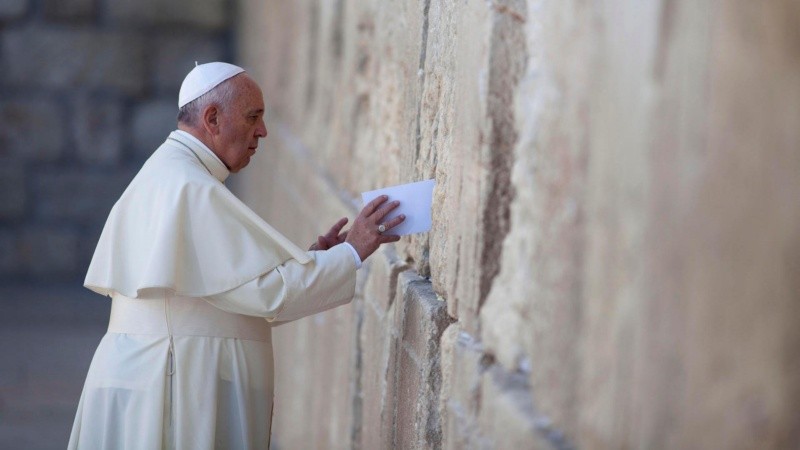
pixel 248 93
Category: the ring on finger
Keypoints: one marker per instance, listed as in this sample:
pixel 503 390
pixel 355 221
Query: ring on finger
pixel 381 228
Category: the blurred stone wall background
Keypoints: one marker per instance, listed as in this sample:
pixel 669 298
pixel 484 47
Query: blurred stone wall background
pixel 88 89
pixel 615 256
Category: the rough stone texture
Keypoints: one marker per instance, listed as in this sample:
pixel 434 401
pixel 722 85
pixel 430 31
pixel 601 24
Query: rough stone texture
pixel 98 130
pixel 209 14
pixel 615 218
pixel 34 129
pixel 419 323
pixel 77 58
pixel 13 9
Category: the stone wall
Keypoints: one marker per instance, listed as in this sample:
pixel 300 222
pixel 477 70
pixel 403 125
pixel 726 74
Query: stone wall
pixel 615 254
pixel 88 89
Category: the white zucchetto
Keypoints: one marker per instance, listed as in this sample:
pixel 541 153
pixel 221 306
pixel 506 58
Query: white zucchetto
pixel 203 78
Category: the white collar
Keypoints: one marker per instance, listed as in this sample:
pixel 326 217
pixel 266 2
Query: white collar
pixel 210 160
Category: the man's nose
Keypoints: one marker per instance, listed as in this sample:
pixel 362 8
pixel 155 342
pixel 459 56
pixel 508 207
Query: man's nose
pixel 261 131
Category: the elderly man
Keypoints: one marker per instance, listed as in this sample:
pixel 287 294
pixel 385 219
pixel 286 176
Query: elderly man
pixel 192 273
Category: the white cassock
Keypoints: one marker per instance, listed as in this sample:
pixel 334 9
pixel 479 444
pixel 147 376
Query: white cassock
pixel 192 272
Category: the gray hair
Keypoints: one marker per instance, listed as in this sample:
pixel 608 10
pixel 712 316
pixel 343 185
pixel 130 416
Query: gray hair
pixel 221 96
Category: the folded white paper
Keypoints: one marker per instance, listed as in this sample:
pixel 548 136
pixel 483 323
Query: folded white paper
pixel 415 202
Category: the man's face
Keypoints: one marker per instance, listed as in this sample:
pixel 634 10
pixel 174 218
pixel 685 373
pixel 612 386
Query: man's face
pixel 241 124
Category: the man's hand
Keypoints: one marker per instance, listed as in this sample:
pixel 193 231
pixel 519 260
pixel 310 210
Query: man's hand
pixel 332 237
pixel 364 235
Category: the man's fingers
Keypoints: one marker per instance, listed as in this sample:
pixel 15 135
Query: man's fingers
pixel 337 227
pixel 384 210
pixel 395 222
pixel 373 205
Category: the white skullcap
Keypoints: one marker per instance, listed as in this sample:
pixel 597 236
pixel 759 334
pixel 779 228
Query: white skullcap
pixel 203 78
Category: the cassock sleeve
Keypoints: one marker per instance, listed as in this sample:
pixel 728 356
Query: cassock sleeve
pixel 293 290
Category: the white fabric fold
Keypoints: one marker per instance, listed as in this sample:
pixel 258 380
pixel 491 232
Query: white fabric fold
pixel 177 228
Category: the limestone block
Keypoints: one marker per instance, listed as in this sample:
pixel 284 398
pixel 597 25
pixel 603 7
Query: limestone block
pixel 70 9
pixel 419 327
pixel 381 285
pixel 13 9
pixel 532 313
pixel 379 352
pixel 34 129
pixel 175 57
pixel 457 234
pixel 97 127
pixel 151 124
pixel 463 363
pixel 315 356
pixel 48 251
pixel 13 193
pixel 206 14
pixel 75 58
pixel 509 416
pixel 79 197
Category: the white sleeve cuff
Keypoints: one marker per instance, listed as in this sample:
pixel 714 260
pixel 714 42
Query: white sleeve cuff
pixel 356 258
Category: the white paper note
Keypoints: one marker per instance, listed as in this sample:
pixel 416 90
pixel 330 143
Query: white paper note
pixel 415 202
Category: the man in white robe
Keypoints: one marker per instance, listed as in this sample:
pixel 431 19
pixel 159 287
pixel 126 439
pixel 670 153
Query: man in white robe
pixel 193 273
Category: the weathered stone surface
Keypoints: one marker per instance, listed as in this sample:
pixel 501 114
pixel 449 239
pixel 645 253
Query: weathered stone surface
pixel 34 129
pixel 615 223
pixel 13 9
pixel 533 310
pixel 457 233
pixel 507 410
pixel 175 57
pixel 462 364
pixel 381 285
pixel 75 58
pixel 13 192
pixel 151 124
pixel 81 10
pixel 379 354
pixel 209 14
pixel 79 197
pixel 97 127
pixel 420 322
pixel 315 355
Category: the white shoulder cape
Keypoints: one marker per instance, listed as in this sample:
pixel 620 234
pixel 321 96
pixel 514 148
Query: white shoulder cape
pixel 178 227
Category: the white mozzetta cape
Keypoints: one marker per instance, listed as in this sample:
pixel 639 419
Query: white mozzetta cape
pixel 178 228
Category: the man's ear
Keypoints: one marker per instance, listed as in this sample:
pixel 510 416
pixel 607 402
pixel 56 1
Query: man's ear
pixel 211 119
